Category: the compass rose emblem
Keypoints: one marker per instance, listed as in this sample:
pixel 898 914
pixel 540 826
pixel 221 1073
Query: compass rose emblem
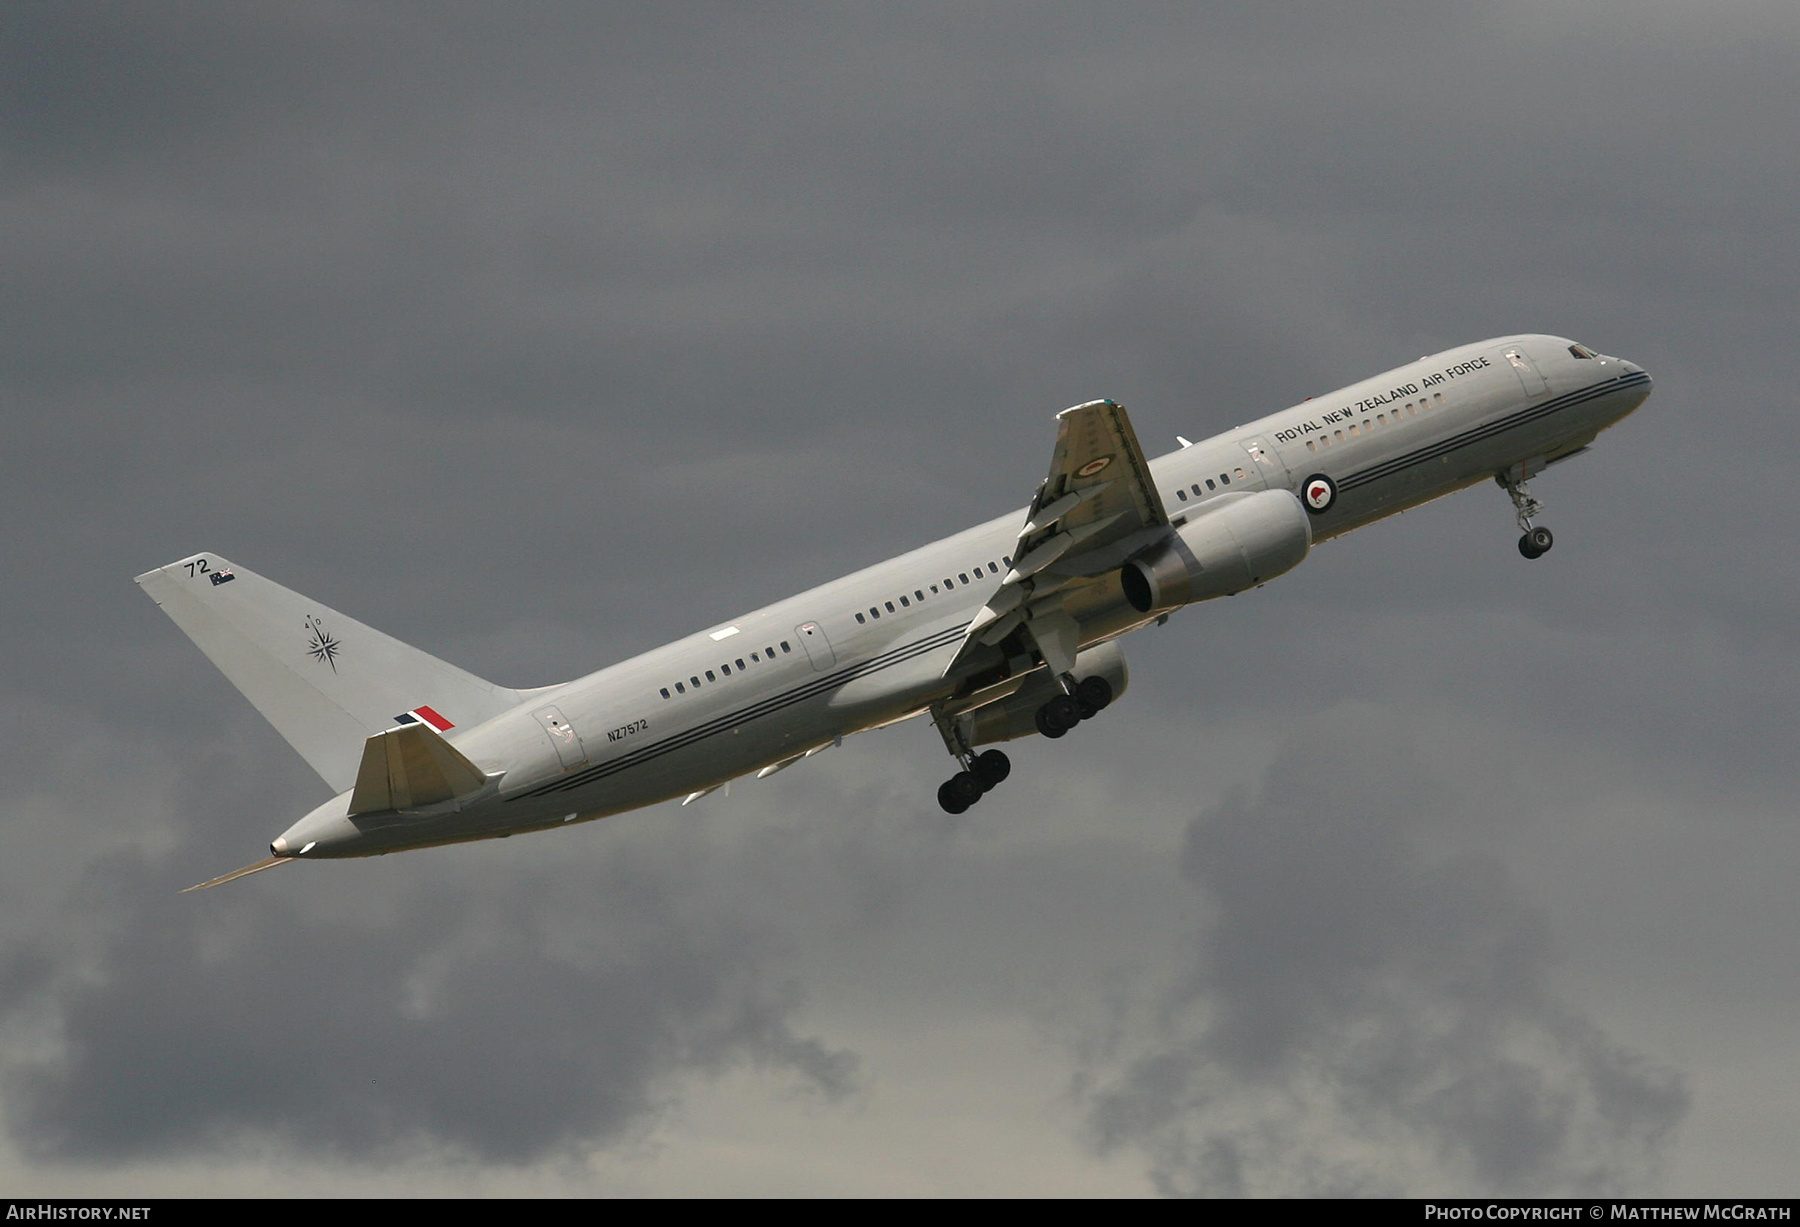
pixel 320 645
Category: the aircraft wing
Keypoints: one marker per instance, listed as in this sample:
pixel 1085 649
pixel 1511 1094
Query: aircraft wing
pixel 1097 508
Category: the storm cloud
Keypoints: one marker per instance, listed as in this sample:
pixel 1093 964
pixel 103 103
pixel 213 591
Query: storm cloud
pixel 537 335
pixel 1365 1016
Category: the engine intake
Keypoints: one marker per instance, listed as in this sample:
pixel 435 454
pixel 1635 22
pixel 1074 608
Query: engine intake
pixel 1228 547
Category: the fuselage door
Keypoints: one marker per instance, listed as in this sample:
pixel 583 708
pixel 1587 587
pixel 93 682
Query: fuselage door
pixel 818 648
pixel 1269 465
pixel 569 750
pixel 1526 370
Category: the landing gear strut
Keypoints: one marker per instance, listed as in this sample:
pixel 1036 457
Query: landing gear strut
pixel 981 772
pixel 1535 541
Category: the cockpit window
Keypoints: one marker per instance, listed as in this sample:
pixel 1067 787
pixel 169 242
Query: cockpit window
pixel 1581 351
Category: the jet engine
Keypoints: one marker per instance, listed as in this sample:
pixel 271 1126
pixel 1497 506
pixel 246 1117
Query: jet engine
pixel 1016 715
pixel 1233 545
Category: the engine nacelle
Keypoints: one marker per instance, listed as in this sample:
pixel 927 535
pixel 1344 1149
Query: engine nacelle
pixel 1226 548
pixel 1015 715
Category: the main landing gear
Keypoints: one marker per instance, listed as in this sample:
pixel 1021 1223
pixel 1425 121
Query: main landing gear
pixel 1535 541
pixel 981 772
pixel 1065 711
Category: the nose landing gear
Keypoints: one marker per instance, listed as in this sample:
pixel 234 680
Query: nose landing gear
pixel 1535 541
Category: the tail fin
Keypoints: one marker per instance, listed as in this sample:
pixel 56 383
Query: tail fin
pixel 326 682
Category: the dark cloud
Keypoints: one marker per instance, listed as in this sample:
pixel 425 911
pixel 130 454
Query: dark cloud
pixel 1366 1016
pixel 549 1019
pixel 536 335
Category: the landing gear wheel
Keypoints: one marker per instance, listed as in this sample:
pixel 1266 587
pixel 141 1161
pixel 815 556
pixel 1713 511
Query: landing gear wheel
pixel 990 768
pixel 1093 694
pixel 1536 543
pixel 1058 716
pixel 959 792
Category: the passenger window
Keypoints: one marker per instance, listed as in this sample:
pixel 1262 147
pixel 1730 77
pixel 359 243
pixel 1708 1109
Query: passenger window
pixel 665 692
pixel 758 659
pixel 934 589
pixel 1006 560
pixel 785 647
pixel 947 584
pixel 963 576
pixel 904 601
pixel 680 689
pixel 1310 447
pixel 740 664
pixel 1353 430
pixel 1438 397
pixel 710 677
pixel 918 595
pixel 1181 494
pixel 890 607
pixel 873 613
pixel 1209 484
pixel 725 669
pixel 1196 489
pixel 1224 480
pixel 992 569
pixel 695 681
pixel 863 618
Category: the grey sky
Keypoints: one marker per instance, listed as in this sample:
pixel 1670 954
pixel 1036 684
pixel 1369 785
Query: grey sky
pixel 535 335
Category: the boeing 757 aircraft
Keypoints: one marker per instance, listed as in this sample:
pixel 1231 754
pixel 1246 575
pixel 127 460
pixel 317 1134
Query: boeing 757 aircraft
pixel 1007 629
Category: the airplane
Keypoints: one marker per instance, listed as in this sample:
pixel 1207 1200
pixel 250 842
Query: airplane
pixel 1006 630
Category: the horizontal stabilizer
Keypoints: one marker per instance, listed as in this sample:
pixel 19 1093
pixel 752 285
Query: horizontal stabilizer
pixel 408 767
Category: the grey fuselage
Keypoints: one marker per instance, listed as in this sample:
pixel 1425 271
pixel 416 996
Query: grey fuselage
pixel 872 648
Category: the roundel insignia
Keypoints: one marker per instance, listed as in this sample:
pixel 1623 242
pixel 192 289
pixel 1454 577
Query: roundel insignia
pixel 1319 493
pixel 1093 466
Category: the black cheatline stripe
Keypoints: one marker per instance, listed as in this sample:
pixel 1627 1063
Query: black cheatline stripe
pixel 1568 400
pixel 1479 433
pixel 798 694
pixel 719 724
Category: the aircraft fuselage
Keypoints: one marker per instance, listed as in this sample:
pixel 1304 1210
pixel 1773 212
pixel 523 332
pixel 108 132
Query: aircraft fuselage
pixel 758 690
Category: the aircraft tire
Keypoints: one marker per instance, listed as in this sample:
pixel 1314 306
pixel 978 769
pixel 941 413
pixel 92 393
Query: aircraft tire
pixel 948 800
pixel 1536 543
pixel 991 768
pixel 1045 727
pixel 1062 713
pixel 1093 693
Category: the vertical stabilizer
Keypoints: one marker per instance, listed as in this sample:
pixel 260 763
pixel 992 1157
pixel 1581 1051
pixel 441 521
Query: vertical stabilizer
pixel 325 681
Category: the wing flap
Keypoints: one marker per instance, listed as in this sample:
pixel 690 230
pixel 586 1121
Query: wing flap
pixel 1097 507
